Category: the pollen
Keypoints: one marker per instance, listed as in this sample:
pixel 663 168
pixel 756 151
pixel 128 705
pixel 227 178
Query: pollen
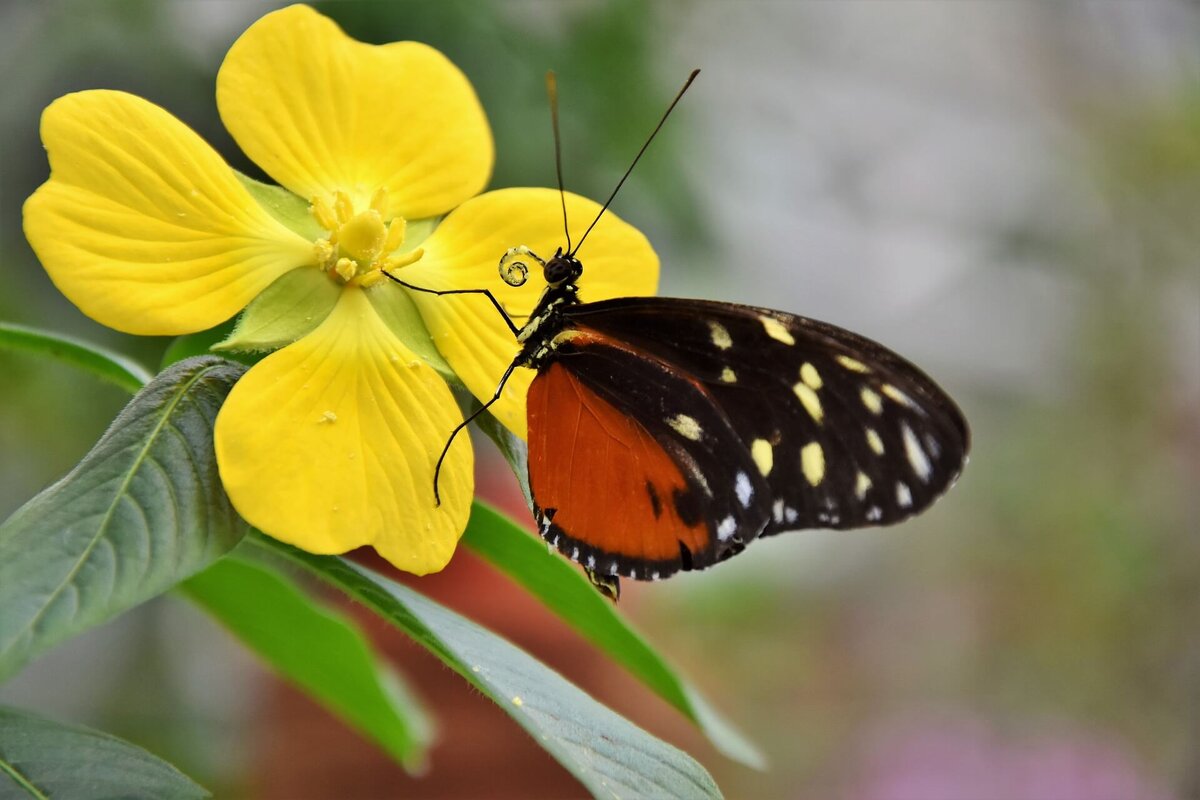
pixel 812 462
pixel 810 401
pixel 720 336
pixel 777 330
pixel 764 456
pixel 685 426
pixel 359 245
pixel 810 376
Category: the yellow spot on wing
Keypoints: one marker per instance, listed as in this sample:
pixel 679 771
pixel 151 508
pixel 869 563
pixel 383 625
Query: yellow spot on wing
pixel 872 401
pixel 812 462
pixel 875 442
pixel 728 375
pixel 720 336
pixel 764 455
pixel 852 365
pixel 777 330
pixel 897 395
pixel 810 376
pixel 812 403
pixel 862 485
pixel 685 426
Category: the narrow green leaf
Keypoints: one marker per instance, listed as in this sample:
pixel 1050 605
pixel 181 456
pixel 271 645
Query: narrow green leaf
pixel 141 512
pixel 104 364
pixel 317 649
pixel 607 753
pixel 46 760
pixel 566 592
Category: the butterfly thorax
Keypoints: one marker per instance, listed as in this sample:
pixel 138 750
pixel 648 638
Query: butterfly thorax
pixel 545 323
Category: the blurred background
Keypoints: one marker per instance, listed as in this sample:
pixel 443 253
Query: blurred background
pixel 1007 193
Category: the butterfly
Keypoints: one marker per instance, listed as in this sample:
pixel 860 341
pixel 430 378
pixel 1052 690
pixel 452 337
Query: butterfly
pixel 667 434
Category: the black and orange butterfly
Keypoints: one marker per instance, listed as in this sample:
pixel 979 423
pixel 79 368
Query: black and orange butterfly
pixel 667 434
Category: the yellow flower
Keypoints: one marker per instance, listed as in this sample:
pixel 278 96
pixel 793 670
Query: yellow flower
pixel 329 443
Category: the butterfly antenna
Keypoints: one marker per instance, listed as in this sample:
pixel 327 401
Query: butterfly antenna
pixel 636 158
pixel 552 92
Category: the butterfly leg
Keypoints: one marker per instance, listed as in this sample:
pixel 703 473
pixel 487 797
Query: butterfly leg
pixel 437 470
pixel 485 292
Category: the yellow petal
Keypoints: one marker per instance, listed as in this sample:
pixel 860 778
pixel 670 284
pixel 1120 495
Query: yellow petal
pixel 464 252
pixel 330 444
pixel 143 225
pixel 322 112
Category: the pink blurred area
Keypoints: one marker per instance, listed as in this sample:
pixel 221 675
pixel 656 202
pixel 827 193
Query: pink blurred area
pixel 970 759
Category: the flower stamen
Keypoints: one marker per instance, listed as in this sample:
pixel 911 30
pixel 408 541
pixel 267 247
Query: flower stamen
pixel 359 245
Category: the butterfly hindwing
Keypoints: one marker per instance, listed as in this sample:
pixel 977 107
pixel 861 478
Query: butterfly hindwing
pixel 844 432
pixel 633 468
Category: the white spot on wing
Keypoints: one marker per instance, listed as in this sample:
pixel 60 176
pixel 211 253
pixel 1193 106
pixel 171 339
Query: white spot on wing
pixel 903 494
pixel 591 563
pixel 777 510
pixel 574 553
pixel 744 489
pixel 726 529
pixel 874 514
pixel 791 515
pixel 862 485
pixel 916 456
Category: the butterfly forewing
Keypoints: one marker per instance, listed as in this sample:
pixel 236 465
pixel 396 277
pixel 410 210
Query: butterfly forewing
pixel 633 468
pixel 842 431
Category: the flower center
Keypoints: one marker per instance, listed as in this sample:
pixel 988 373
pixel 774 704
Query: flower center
pixel 360 246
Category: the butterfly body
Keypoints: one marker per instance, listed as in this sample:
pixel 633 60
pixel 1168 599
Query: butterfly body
pixel 667 434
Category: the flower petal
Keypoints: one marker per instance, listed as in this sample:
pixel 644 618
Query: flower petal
pixel 464 253
pixel 330 444
pixel 322 112
pixel 143 225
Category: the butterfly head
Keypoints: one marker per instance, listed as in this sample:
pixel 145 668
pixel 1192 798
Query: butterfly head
pixel 562 269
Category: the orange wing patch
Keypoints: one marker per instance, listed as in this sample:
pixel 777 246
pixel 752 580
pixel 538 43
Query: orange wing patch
pixel 602 478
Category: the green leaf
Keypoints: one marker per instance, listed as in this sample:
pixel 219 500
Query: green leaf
pixel 104 364
pixel 289 209
pixel 566 592
pixel 607 753
pixel 317 649
pixel 141 512
pixel 46 760
pixel 291 307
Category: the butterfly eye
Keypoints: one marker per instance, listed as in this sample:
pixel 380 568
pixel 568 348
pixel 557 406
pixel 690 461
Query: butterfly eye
pixel 563 269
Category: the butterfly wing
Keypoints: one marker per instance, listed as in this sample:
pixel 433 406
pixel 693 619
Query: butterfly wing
pixel 665 434
pixel 633 468
pixel 844 432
